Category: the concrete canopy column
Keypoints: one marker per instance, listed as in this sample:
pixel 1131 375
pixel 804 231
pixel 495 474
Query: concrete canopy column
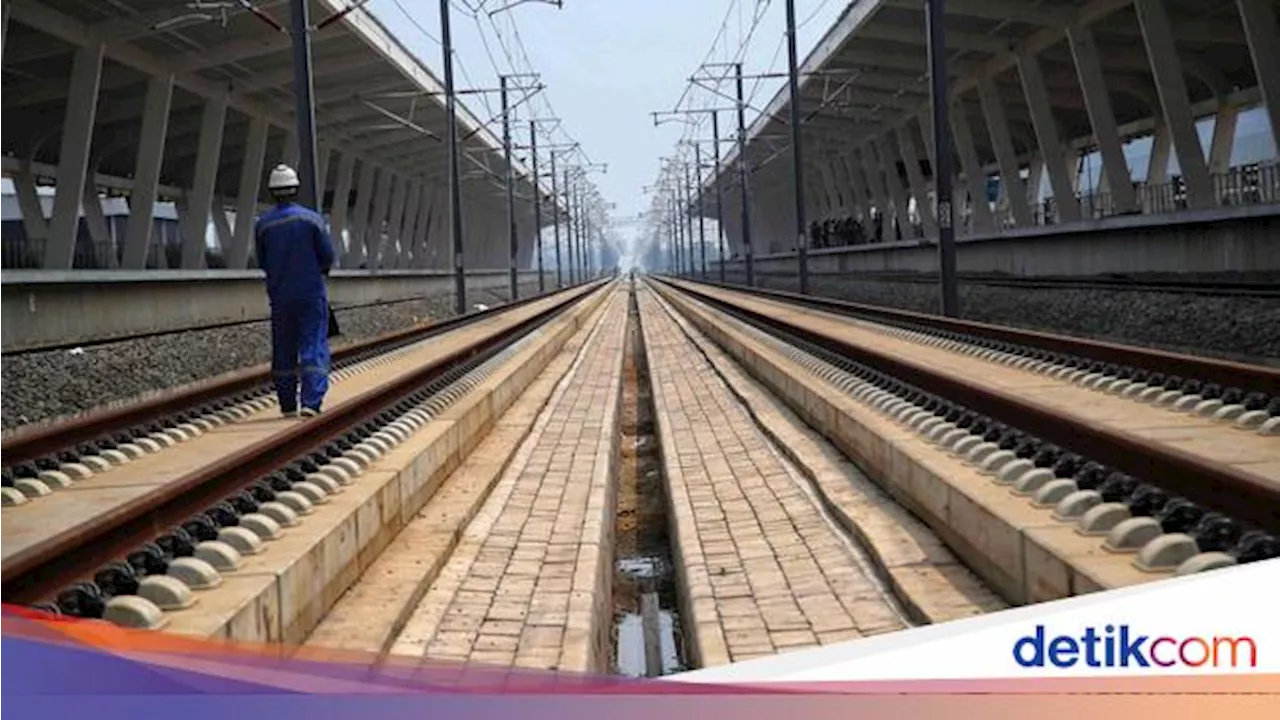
pixel 221 226
pixel 1102 118
pixel 77 136
pixel 816 206
pixel 389 249
pixel 1224 138
pixel 1047 137
pixel 1035 178
pixel 33 220
pixel 96 222
pixel 413 197
pixel 1161 149
pixel 857 183
pixel 840 184
pixel 421 220
pixel 1260 27
pixel 906 149
pixel 849 202
pixel 360 222
pixel 1166 68
pixel 200 197
pixel 146 177
pixel 974 177
pixel 1002 142
pixel 322 174
pixel 341 203
pixel 376 229
pixel 439 252
pixel 875 182
pixel 893 183
pixel 255 152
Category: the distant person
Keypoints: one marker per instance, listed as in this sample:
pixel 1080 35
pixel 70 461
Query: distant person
pixel 295 252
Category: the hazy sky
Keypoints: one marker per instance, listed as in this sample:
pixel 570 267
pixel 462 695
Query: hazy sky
pixel 608 64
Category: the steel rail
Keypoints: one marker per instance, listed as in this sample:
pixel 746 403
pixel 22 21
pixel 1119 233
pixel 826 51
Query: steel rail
pixel 59 561
pixel 1250 378
pixel 1118 283
pixel 1248 497
pixel 27 445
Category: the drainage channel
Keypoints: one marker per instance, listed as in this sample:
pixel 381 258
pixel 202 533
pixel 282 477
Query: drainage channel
pixel 647 639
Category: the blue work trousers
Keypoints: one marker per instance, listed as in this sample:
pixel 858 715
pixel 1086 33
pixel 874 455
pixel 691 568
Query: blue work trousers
pixel 300 349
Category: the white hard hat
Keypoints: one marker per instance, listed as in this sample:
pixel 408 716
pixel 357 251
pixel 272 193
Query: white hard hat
pixel 282 177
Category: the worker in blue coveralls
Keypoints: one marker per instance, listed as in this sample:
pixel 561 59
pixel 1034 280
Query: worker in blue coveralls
pixel 295 252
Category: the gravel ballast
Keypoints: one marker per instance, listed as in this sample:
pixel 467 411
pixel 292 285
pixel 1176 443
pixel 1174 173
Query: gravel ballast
pixel 42 386
pixel 1237 328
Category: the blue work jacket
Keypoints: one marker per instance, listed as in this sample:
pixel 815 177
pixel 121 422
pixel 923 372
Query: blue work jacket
pixel 295 252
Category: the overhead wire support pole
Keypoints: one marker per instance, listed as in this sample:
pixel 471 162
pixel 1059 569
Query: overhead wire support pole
pixel 675 237
pixel 555 221
pixel 935 18
pixel 568 226
pixel 304 87
pixel 715 139
pixel 702 231
pixel 797 154
pixel 537 202
pixel 304 105
pixel 688 214
pixel 742 176
pixel 512 239
pixel 455 172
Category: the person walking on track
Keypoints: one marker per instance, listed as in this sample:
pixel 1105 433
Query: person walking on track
pixel 296 253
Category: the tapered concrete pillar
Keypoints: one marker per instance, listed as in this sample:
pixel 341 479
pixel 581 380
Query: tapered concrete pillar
pixel 1011 183
pixel 221 225
pixel 340 208
pixel 421 220
pixel 835 170
pixel 323 152
pixel 906 149
pixel 360 221
pixel 251 172
pixel 1166 67
pixel 33 221
pixel 974 177
pixel 1102 118
pixel 412 198
pixel 95 221
pixel 376 229
pixel 77 137
pixel 854 199
pixel 389 248
pixel 857 183
pixel 875 181
pixel 1224 139
pixel 439 249
pixel 200 196
pixel 1035 181
pixel 1161 150
pixel 146 178
pixel 1260 27
pixel 893 183
pixel 1047 137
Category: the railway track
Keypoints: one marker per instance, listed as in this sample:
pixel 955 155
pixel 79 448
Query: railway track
pixel 143 503
pixel 1169 461
pixel 1176 286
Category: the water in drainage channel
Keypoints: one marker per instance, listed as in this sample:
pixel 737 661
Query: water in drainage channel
pixel 647 639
